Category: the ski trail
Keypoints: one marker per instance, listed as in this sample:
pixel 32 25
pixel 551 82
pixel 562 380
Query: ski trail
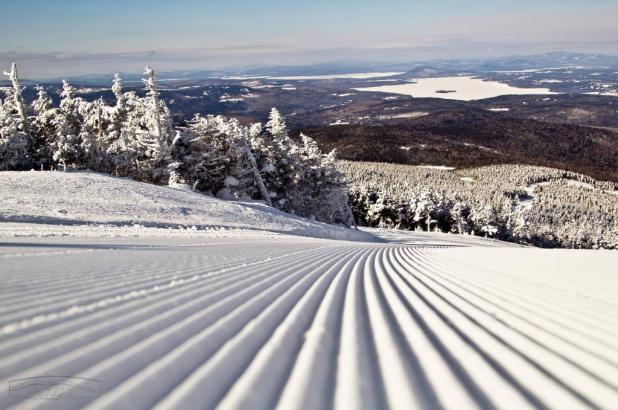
pixel 312 379
pixel 424 322
pixel 178 321
pixel 135 316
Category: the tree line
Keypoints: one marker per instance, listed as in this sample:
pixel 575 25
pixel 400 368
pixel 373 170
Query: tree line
pixel 518 203
pixel 136 138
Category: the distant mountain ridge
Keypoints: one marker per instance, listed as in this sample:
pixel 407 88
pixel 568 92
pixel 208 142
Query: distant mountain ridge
pixel 546 60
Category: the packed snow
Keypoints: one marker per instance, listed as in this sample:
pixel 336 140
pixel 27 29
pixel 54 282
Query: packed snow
pixel 455 88
pixel 424 321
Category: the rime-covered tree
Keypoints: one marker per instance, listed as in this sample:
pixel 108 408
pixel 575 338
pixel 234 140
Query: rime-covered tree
pixel 15 144
pixel 305 192
pixel 93 139
pixel 16 100
pixel 157 121
pixel 319 190
pixel 43 129
pixel 275 152
pixel 459 213
pixel 67 149
pixel 333 204
pixel 489 201
pixel 422 210
pixel 117 90
pixel 211 155
pixel 117 149
pixel 248 136
pixel 13 141
pixel 123 148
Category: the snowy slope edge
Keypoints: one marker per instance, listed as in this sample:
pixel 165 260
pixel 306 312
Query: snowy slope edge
pixel 72 198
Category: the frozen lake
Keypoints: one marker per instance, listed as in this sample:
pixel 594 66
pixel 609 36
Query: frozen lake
pixel 455 88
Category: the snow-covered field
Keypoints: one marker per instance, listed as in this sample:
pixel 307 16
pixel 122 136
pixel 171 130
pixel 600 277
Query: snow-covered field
pixel 262 318
pixel 455 88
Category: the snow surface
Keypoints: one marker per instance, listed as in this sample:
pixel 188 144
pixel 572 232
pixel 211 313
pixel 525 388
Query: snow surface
pixel 422 320
pixel 79 198
pixel 603 93
pixel 459 88
pixel 438 167
pixel 416 114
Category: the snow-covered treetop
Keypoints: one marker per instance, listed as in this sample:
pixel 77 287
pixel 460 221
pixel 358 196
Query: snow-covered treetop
pixel 43 101
pixel 150 81
pixel 276 124
pixel 68 91
pixel 12 74
pixel 68 102
pixel 17 99
pixel 255 129
pixel 117 86
pixel 310 147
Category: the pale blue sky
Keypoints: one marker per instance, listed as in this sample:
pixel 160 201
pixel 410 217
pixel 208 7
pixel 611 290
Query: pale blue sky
pixel 49 38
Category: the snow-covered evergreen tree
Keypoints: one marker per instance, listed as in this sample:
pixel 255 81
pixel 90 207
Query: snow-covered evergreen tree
pixel 319 190
pixel 459 214
pixel 151 125
pixel 276 158
pixel 16 98
pixel 333 202
pixel 253 132
pixel 15 144
pixel 483 221
pixel 43 129
pixel 422 209
pixel 212 157
pixel 67 149
pixel 115 148
pixel 93 135
pixel 121 143
pixel 117 90
pixel 13 141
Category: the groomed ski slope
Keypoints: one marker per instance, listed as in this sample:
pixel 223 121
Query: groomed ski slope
pixel 305 323
pixel 281 321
